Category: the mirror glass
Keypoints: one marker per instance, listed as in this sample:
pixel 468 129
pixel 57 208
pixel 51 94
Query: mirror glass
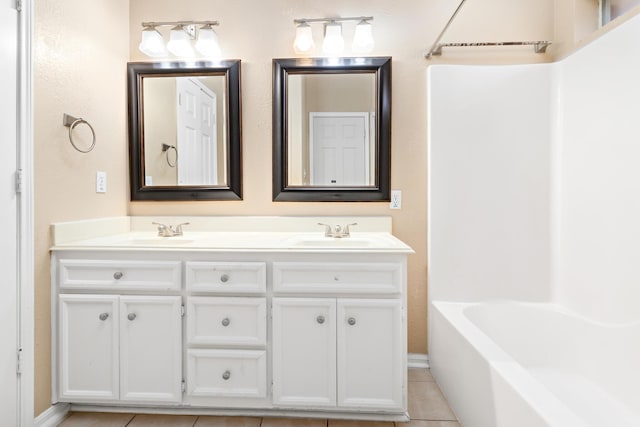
pixel 184 130
pixel 331 129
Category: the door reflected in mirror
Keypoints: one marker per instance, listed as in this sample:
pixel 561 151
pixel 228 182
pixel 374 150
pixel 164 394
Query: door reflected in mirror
pixel 184 130
pixel 331 133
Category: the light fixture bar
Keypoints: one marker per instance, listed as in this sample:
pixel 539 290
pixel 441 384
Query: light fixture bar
pixel 175 23
pixel 354 18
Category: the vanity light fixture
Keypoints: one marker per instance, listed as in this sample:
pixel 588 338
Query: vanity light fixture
pixel 333 42
pixel 180 39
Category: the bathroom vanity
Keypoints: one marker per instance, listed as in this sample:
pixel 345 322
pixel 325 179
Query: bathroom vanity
pixel 234 322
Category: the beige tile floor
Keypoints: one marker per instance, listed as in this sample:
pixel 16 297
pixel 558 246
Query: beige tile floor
pixel 427 408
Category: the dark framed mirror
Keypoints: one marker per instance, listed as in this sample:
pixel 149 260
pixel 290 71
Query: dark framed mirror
pixel 332 129
pixel 185 130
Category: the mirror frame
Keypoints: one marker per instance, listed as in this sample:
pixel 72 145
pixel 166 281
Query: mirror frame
pixel 136 72
pixel 282 68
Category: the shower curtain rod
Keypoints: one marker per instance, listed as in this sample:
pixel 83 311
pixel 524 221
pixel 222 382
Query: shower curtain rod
pixel 436 48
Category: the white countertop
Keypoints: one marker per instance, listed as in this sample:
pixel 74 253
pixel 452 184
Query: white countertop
pixel 117 233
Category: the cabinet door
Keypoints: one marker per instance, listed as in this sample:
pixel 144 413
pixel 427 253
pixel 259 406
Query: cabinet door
pixel 304 352
pixel 88 353
pixel 370 353
pixel 150 348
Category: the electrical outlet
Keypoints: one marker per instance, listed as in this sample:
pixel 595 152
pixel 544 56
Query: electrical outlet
pixel 396 199
pixel 101 182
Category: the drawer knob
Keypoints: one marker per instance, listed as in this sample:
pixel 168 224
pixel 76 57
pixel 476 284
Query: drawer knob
pixel 351 321
pixel 225 321
pixel 226 375
pixel 104 316
pixel 118 275
pixel 224 278
pixel 131 316
pixel 320 319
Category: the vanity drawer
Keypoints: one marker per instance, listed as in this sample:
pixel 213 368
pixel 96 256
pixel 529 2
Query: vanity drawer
pixel 226 277
pixel 227 373
pixel 226 321
pixel 342 278
pixel 120 275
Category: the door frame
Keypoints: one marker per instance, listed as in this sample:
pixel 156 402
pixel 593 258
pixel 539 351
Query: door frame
pixel 26 214
pixel 367 138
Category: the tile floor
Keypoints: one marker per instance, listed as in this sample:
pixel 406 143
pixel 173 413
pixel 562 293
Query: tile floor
pixel 427 408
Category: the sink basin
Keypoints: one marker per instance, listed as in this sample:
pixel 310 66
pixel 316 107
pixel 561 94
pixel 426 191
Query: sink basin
pixel 369 241
pixel 333 243
pixel 160 241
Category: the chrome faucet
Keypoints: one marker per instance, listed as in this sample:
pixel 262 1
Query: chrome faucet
pixel 168 230
pixel 339 232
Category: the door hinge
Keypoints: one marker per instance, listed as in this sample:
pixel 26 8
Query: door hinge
pixel 183 386
pixel 19 181
pixel 182 310
pixel 19 361
pixel 18 5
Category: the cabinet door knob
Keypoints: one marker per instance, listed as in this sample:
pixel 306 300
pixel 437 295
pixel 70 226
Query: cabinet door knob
pixel 104 316
pixel 224 278
pixel 131 316
pixel 225 321
pixel 351 321
pixel 226 375
pixel 320 319
pixel 118 275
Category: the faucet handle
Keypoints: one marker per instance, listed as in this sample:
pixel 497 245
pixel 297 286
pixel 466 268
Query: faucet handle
pixel 346 228
pixel 179 228
pixel 162 229
pixel 327 229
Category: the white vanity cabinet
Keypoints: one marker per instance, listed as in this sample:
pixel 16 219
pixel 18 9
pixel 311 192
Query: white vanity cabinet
pixel 342 352
pixel 263 331
pixel 114 344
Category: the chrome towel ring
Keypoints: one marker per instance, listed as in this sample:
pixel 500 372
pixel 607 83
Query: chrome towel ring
pixel 166 148
pixel 71 122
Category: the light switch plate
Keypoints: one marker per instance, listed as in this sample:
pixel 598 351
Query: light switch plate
pixel 101 182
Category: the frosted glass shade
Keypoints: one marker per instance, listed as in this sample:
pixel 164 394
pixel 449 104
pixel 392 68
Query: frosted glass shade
pixel 207 43
pixel 152 43
pixel 304 39
pixel 333 43
pixel 180 43
pixel 363 38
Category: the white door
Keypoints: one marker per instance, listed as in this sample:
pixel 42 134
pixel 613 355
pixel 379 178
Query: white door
pixel 88 349
pixel 339 149
pixel 197 133
pixel 151 348
pixel 8 214
pixel 304 352
pixel 370 368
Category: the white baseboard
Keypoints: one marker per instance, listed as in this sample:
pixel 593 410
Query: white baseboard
pixel 415 360
pixel 52 416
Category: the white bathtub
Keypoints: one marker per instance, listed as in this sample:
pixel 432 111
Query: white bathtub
pixel 510 364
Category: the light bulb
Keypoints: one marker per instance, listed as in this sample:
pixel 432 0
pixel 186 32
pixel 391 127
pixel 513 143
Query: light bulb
pixel 304 39
pixel 180 42
pixel 363 38
pixel 207 43
pixel 333 43
pixel 152 43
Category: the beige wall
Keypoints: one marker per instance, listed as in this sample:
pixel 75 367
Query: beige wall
pixel 80 53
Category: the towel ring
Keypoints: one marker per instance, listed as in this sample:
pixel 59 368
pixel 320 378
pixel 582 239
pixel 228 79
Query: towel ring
pixel 71 122
pixel 166 148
